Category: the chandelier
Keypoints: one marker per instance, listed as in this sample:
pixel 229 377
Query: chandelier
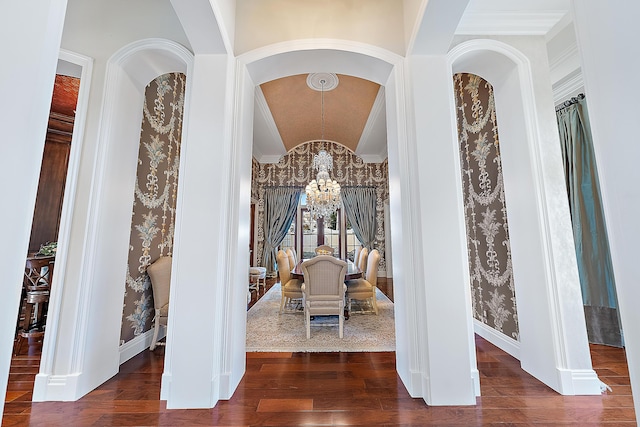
pixel 323 193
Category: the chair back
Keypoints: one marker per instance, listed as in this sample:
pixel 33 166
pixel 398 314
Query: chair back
pixel 292 258
pixel 284 270
pixel 356 254
pixel 38 273
pixel 324 250
pixel 160 274
pixel 324 278
pixel 362 261
pixel 372 267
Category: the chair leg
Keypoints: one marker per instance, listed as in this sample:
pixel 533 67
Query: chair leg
pixel 375 304
pixel 282 304
pixel 307 321
pixel 341 322
pixel 156 329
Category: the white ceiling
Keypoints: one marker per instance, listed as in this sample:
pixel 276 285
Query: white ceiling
pixel 499 17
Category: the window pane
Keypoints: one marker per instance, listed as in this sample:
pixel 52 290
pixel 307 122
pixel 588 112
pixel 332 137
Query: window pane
pixel 332 232
pixel 352 242
pixel 309 235
pixel 289 240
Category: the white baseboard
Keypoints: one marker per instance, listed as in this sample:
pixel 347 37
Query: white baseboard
pixel 165 385
pixel 56 388
pixel 579 382
pixel 475 379
pixel 498 339
pixel 139 344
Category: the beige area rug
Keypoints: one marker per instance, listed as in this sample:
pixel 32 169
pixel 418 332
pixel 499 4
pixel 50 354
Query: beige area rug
pixel 267 330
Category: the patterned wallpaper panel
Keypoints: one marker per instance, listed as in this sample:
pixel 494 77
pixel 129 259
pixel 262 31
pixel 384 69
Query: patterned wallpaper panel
pixel 295 168
pixel 152 223
pixel 492 287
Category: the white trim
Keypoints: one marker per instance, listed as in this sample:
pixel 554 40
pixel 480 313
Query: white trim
pixel 500 340
pixel 66 216
pixel 476 22
pixel 377 109
pixel 567 53
pixel 139 344
pixel 58 388
pixel 567 88
pixel 276 139
pixel 579 381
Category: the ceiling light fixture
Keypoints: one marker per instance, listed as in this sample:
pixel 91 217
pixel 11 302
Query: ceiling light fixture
pixel 323 193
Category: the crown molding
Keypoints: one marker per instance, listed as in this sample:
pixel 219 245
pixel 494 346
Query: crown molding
pixel 508 22
pixel 365 144
pixel 567 53
pixel 568 87
pixel 263 108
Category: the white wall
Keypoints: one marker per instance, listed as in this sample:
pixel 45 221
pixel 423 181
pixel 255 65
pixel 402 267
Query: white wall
pixel 443 280
pixel 553 339
pixel 607 35
pixel 29 58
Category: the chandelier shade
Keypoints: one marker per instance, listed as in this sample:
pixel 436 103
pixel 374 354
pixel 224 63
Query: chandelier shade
pixel 323 193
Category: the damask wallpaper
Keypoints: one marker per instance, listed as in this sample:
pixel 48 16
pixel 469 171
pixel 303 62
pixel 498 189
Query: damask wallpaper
pixel 155 193
pixel 295 168
pixel 492 288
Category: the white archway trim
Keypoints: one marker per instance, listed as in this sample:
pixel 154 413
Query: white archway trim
pixel 88 354
pixel 305 56
pixel 553 338
pixel 66 219
pixel 387 69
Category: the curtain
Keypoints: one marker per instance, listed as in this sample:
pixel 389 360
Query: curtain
pixel 360 206
pixel 589 232
pixel 280 205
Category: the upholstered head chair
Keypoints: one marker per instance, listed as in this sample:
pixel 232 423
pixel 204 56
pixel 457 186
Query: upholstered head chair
pixel 365 289
pixel 324 289
pixel 160 274
pixel 290 287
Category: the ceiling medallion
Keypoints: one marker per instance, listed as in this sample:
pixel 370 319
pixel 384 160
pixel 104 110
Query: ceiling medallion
pixel 315 81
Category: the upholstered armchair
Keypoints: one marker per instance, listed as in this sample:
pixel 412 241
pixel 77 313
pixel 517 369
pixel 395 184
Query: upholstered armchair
pixel 160 274
pixel 365 289
pixel 324 289
pixel 290 288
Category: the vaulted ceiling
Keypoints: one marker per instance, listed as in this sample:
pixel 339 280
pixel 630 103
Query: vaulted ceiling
pixel 288 111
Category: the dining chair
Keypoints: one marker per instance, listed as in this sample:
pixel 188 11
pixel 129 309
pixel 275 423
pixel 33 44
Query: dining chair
pixel 160 275
pixel 323 291
pixel 365 289
pixel 324 250
pixel 362 260
pixel 290 287
pixel 356 254
pixel 291 254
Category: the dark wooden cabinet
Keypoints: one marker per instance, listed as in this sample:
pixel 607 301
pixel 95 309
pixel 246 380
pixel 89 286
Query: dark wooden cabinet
pixel 53 174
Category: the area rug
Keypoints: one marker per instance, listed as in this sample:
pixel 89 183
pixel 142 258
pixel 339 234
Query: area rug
pixel 267 330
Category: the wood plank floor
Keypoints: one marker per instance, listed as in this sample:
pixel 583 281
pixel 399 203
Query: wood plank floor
pixel 293 389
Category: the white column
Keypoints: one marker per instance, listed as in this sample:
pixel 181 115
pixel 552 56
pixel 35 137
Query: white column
pixel 194 341
pixel 29 58
pixel 608 35
pixel 441 242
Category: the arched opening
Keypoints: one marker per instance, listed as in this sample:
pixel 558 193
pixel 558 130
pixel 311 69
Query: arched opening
pixel 85 356
pixel 546 309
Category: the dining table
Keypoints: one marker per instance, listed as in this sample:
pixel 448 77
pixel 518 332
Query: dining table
pixel 353 272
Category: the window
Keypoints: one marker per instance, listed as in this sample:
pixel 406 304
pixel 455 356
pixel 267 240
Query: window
pixel 352 241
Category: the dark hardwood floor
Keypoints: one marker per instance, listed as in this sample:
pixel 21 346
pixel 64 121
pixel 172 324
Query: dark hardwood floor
pixel 293 389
